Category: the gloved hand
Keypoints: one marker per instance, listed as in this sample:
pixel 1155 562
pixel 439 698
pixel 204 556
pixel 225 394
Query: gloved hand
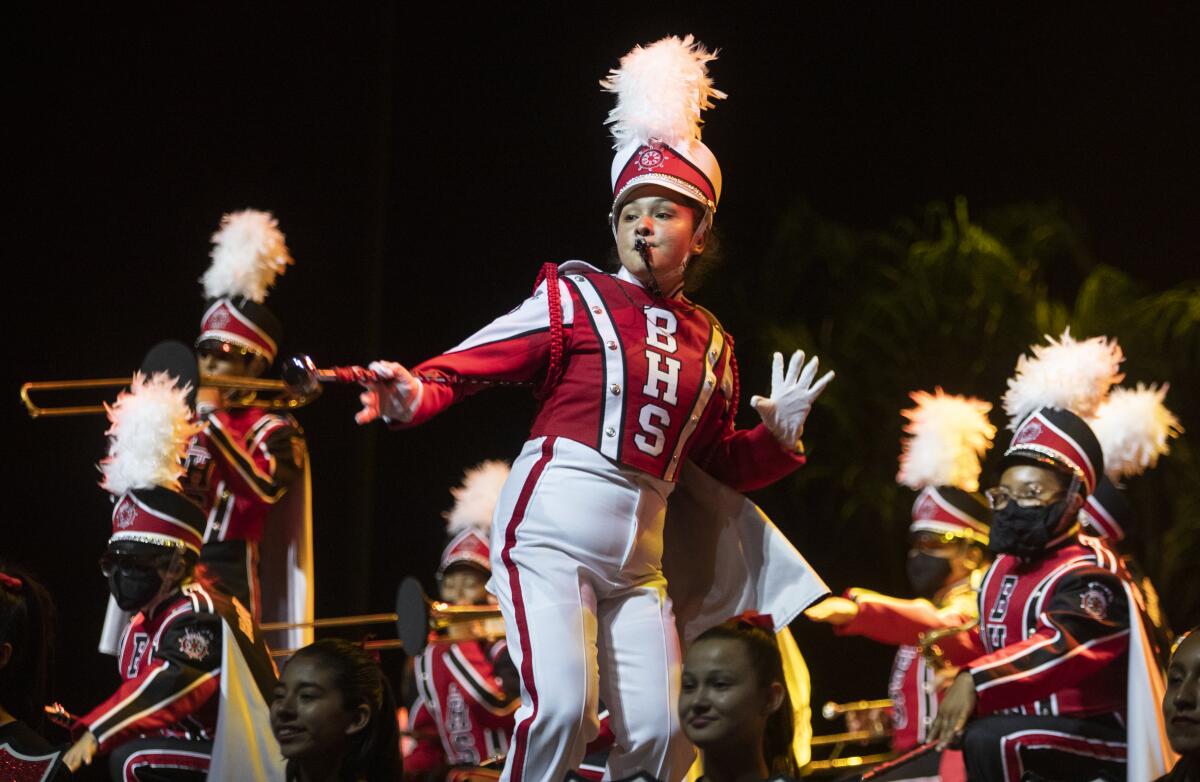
pixel 395 399
pixel 792 397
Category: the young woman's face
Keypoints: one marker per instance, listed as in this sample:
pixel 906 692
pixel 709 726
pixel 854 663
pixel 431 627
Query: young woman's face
pixel 308 716
pixel 665 220
pixel 1181 702
pixel 722 704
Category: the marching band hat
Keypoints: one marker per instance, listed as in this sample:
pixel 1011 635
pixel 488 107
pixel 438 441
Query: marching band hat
pixel 946 436
pixel 151 426
pixel 661 90
pixel 249 253
pixel 1107 512
pixel 469 522
pixel 1061 439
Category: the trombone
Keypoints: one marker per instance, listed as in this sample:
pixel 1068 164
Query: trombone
pixel 279 395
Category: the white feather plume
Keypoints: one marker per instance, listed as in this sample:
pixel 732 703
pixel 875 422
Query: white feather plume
pixel 1066 373
pixel 1134 427
pixel 661 90
pixel 248 253
pixel 475 498
pixel 151 426
pixel 947 437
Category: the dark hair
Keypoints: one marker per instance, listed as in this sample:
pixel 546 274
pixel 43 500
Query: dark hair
pixel 374 752
pixel 26 622
pixel 767 661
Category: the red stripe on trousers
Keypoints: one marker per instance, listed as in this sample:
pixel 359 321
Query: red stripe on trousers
pixel 521 734
pixel 1011 746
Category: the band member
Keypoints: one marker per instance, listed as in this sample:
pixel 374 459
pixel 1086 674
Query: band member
pixel 248 468
pixel 26 645
pixel 634 379
pixel 162 722
pixel 1059 687
pixel 947 555
pixel 1134 428
pixel 468 690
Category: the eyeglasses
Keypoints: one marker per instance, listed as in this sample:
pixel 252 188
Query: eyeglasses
pixel 110 563
pixel 933 541
pixel 1031 494
pixel 221 350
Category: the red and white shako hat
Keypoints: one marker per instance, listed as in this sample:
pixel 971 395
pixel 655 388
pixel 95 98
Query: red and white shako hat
pixel 1134 428
pixel 469 522
pixel 661 90
pixel 1052 393
pixel 151 425
pixel 249 253
pixel 947 436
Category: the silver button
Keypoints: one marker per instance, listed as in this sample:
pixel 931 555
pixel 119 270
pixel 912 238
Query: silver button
pixel 695 418
pixel 675 458
pixel 610 432
pixel 615 388
pixel 597 310
pixel 611 344
pixel 712 354
pixel 577 277
pixel 709 382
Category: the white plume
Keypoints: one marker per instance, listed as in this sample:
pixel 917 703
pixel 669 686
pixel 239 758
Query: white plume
pixel 1133 427
pixel 1067 374
pixel 248 253
pixel 947 437
pixel 661 90
pixel 151 425
pixel 475 498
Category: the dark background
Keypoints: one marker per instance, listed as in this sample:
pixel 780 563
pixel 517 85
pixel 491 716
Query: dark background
pixel 424 164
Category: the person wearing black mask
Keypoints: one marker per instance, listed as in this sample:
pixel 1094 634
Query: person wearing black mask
pixel 1050 693
pixel 161 723
pixel 946 556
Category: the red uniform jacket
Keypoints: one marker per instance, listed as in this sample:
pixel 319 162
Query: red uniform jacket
pixel 1054 632
pixel 646 382
pixel 462 698
pixel 241 465
pixel 170 665
pixel 890 620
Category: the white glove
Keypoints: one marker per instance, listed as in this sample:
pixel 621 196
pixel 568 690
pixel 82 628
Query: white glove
pixel 395 399
pixel 792 397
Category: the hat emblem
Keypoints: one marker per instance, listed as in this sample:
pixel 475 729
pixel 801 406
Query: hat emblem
pixel 926 508
pixel 1028 433
pixel 126 514
pixel 649 159
pixel 219 318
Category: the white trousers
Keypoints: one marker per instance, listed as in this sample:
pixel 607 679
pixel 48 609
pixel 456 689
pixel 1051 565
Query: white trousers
pixel 577 569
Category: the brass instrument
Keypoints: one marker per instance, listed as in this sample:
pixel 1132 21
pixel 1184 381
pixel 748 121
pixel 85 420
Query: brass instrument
pixel 876 732
pixel 456 623
pixel 832 710
pixel 928 641
pixel 279 395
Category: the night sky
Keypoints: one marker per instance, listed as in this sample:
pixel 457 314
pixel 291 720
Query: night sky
pixel 424 166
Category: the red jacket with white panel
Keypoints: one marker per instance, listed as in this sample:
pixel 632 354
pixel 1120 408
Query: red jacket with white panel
pixel 1054 633
pixel 900 622
pixel 647 382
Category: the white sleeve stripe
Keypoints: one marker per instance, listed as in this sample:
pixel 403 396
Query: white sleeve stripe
pixel 158 706
pixel 132 696
pixel 531 316
pixel 1051 663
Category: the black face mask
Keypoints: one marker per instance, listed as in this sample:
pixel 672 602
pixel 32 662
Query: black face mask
pixel 927 573
pixel 134 587
pixel 1025 531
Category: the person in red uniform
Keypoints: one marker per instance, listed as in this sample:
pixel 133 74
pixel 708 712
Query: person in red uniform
pixel 633 379
pixel 941 458
pixel 244 465
pixel 468 690
pixel 162 722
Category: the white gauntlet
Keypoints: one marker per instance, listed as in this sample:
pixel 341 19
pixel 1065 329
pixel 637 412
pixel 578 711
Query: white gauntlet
pixel 395 399
pixel 792 397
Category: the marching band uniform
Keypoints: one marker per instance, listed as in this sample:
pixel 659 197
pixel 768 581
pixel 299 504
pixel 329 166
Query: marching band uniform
pixel 1063 686
pixel 248 468
pixel 195 670
pixel 941 458
pixel 632 385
